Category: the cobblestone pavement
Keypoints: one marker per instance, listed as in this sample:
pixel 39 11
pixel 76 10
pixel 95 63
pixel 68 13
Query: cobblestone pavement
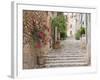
pixel 70 54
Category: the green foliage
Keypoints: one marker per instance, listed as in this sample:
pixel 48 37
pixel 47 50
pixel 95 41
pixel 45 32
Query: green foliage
pixel 60 22
pixel 63 35
pixel 77 35
pixel 82 31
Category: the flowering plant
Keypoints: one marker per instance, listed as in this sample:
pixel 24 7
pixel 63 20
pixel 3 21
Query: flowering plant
pixel 40 36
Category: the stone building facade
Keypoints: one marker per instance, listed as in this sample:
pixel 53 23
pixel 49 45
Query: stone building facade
pixel 32 19
pixel 74 22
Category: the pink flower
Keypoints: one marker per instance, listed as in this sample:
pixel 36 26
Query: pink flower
pixel 38 45
pixel 41 34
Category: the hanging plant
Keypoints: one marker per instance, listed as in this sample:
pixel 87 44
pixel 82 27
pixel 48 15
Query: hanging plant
pixel 40 36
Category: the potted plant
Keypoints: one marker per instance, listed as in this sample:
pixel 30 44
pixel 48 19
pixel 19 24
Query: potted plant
pixel 59 26
pixel 77 35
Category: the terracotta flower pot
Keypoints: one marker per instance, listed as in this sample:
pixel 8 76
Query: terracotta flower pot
pixel 57 45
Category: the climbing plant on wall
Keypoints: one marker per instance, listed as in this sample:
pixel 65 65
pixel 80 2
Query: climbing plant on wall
pixel 35 25
pixel 40 36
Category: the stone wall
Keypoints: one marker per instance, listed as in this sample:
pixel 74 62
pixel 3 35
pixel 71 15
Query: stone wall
pixel 30 20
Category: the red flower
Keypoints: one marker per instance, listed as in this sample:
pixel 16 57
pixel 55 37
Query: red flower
pixel 41 34
pixel 38 45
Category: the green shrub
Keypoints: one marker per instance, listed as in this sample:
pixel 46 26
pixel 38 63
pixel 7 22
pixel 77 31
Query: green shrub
pixel 60 22
pixel 77 35
pixel 82 31
pixel 63 35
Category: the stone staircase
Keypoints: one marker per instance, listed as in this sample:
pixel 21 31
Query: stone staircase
pixel 69 55
pixel 63 60
pixel 66 57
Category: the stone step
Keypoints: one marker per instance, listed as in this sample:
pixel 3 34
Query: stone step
pixel 67 52
pixel 62 56
pixel 69 56
pixel 75 58
pixel 66 64
pixel 65 58
pixel 66 61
